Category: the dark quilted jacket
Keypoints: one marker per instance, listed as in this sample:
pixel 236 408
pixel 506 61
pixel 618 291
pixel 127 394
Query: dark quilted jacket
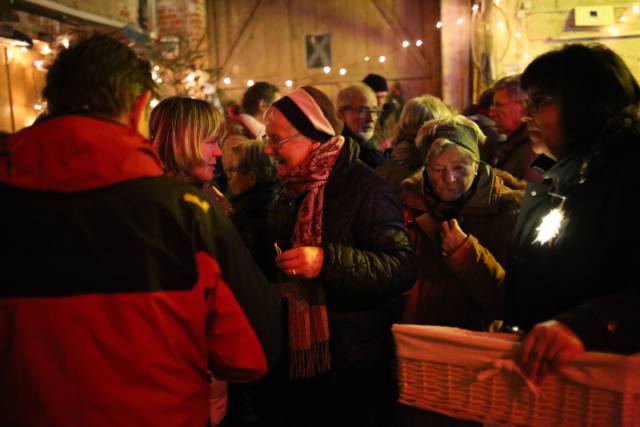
pixel 368 259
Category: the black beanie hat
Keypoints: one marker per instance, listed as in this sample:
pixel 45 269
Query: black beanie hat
pixel 376 82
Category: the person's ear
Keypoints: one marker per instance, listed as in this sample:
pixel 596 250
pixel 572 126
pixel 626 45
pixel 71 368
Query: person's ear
pixel 139 115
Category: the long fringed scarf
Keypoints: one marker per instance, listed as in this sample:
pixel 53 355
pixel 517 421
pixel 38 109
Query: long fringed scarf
pixel 308 321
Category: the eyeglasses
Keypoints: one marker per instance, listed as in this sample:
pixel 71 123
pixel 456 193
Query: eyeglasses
pixel 273 141
pixel 536 102
pixel 364 111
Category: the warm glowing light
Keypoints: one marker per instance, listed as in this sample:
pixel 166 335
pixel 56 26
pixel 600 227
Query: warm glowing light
pixel 159 80
pixel 405 43
pixel 24 49
pixel 460 21
pixel 623 18
pixel 156 68
pixel 497 1
pixel 475 8
pixel 288 83
pixel 549 227
pixel 343 71
pixel 227 80
pixel 439 24
pixel 501 25
pixel 366 59
pixel 9 54
pixel 39 64
pixel 65 42
pixel 636 8
pixel 418 43
pixel 382 58
pixel 613 30
pixel 153 103
pixel 191 77
pixel 326 69
pixel 250 83
pixel 38 106
pixel 518 35
pixel 526 55
pixel 46 50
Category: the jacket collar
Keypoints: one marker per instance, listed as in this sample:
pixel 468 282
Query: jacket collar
pixel 76 153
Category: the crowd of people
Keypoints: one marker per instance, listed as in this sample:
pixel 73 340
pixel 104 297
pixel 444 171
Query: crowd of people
pixel 186 266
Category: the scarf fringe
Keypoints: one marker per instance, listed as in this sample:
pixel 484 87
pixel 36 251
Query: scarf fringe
pixel 309 362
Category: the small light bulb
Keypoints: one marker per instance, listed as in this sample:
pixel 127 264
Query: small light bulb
pixel 250 83
pixel 497 1
pixel 46 50
pixel 288 83
pixel 418 43
pixel 501 25
pixel 227 80
pixel 156 68
pixel 366 59
pixel 154 102
pixel 623 19
pixel 39 64
pixel 405 43
pixel 343 71
pixel 382 58
pixel 613 30
pixel 518 35
pixel 460 21
pixel 65 42
pixel 636 8
pixel 326 69
pixel 475 8
pixel 439 24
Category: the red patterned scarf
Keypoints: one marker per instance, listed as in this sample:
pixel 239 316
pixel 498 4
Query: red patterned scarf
pixel 308 322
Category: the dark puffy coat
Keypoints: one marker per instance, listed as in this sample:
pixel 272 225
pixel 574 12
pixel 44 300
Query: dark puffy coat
pixel 368 259
pixel 368 150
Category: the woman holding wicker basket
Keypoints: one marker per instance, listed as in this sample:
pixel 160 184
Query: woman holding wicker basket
pixel 570 282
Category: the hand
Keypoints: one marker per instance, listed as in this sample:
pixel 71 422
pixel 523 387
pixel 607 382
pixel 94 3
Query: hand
pixel 548 347
pixel 305 261
pixel 452 236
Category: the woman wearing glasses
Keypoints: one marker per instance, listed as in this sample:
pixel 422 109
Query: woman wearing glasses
pixel 570 283
pixel 345 259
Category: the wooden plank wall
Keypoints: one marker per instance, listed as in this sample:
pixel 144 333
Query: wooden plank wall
pixel 264 40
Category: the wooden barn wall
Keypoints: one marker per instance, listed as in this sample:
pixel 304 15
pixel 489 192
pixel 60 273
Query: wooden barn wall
pixel 264 40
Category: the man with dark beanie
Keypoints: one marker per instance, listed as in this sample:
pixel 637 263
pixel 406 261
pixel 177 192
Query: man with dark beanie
pixel 343 259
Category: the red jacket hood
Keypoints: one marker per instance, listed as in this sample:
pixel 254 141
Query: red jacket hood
pixel 75 153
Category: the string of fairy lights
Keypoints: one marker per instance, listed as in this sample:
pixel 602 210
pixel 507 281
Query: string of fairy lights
pixel 199 83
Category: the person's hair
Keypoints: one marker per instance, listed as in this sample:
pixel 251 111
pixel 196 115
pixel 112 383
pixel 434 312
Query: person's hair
pixel 346 95
pixel 99 75
pixel 254 159
pixel 178 128
pixel 419 110
pixel 591 84
pixel 510 84
pixel 471 136
pixel 260 91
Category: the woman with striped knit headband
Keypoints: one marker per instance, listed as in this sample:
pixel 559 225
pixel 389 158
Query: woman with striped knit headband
pixel 345 259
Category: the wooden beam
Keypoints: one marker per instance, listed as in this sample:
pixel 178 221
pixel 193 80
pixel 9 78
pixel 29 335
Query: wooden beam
pixel 242 36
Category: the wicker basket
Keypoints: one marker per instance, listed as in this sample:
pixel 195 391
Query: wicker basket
pixel 471 375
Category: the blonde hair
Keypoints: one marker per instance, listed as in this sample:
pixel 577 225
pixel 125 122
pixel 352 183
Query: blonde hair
pixel 178 127
pixel 419 110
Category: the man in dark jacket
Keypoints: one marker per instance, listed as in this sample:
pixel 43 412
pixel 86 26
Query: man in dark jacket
pixel 345 259
pixel 358 109
pixel 122 289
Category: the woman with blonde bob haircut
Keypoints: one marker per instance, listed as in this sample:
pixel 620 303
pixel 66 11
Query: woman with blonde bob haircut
pixel 186 134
